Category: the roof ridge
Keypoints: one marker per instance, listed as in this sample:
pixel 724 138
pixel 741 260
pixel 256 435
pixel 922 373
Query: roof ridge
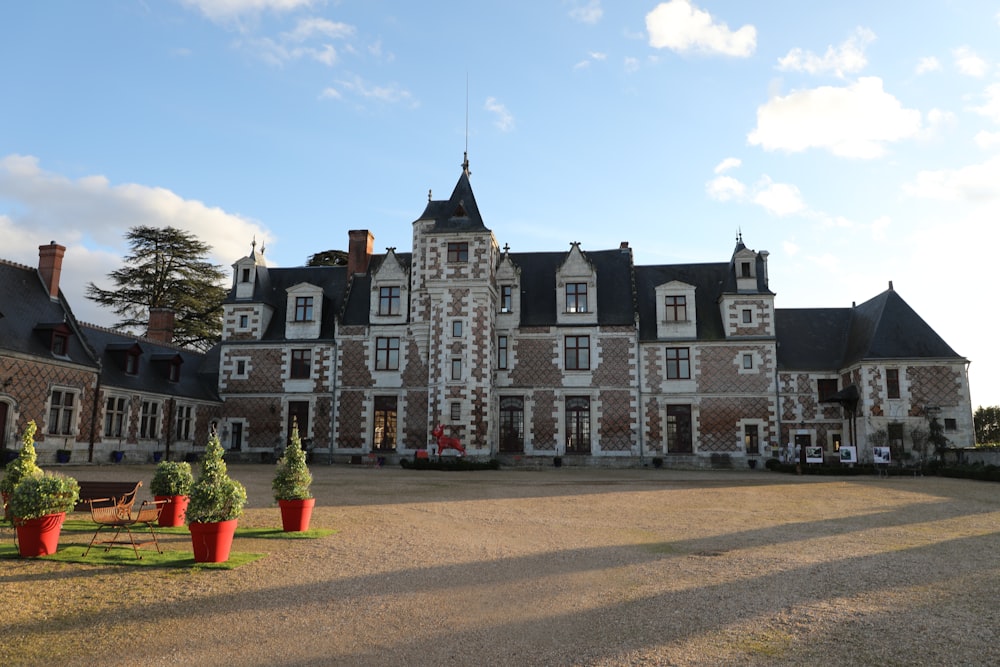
pixel 17 265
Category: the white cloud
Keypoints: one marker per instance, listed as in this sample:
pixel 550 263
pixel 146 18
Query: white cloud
pixel 680 26
pixel 90 216
pixel 991 109
pixel 387 94
pixel 779 199
pixel 726 188
pixel 987 140
pixel 969 63
pixel 790 248
pixel 589 13
pixel 230 10
pixel 504 119
pixel 727 164
pixel 306 29
pixel 975 183
pixel 631 64
pixel 880 227
pixel 854 121
pixel 593 56
pixel 928 64
pixel 847 58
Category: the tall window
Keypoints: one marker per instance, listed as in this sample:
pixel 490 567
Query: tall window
pixel 458 251
pixel 388 301
pixel 456 369
pixel 748 361
pixel 456 328
pixel 303 308
pixel 61 412
pixel 892 382
pixel 676 308
pixel 60 343
pixel 751 439
pixel 387 354
pixel 745 270
pixel 385 422
pixel 244 321
pixel 747 316
pixel 131 363
pixel 506 298
pixel 456 412
pixel 679 434
pixel 502 352
pixel 185 418
pixel 301 365
pixel 578 425
pixel 114 416
pixel 577 353
pixel 245 275
pixel 678 363
pixel 149 420
pixel 576 297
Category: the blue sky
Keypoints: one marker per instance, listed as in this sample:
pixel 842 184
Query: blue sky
pixel 857 142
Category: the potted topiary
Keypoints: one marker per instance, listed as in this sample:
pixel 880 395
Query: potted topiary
pixel 291 486
pixel 172 482
pixel 215 505
pixel 39 504
pixel 21 467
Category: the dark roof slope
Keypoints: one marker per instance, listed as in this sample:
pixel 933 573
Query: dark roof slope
pixel 195 382
pixel 708 280
pixel 29 315
pixel 273 291
pixel 884 327
pixel 615 301
pixel 458 213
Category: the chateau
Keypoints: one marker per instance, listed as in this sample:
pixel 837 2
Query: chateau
pixel 522 356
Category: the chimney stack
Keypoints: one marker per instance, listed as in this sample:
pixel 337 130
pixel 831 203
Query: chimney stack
pixel 50 259
pixel 359 250
pixel 161 325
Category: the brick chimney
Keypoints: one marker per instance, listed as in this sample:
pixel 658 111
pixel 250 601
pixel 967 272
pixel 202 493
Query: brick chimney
pixel 161 325
pixel 50 259
pixel 359 250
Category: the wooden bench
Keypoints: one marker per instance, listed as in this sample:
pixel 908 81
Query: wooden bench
pixel 106 493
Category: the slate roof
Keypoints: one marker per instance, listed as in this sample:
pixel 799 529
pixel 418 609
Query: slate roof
pixel 708 280
pixel 458 213
pixel 615 303
pixel 271 288
pixel 882 328
pixel 196 376
pixel 29 315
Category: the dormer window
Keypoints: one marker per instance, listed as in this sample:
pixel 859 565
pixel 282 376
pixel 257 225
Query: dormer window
pixel 389 300
pixel 506 298
pixel 458 251
pixel 174 372
pixel 245 275
pixel 303 308
pixel 131 363
pixel 745 270
pixel 576 298
pixel 675 308
pixel 60 343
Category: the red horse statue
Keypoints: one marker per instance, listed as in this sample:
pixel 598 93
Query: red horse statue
pixel 445 442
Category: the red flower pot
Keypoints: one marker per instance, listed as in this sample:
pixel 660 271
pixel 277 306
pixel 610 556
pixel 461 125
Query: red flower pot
pixel 39 537
pixel 212 541
pixel 173 511
pixel 295 514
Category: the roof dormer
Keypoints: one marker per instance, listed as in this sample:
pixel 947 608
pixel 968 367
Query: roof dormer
pixel 126 356
pixel 168 364
pixel 576 289
pixel 245 272
pixel 676 314
pixel 304 311
pixel 390 291
pixel 508 291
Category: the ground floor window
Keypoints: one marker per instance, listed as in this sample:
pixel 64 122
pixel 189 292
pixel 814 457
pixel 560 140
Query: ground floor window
pixel 62 411
pixel 185 419
pixel 512 424
pixel 578 425
pixel 115 413
pixel 149 420
pixel 385 423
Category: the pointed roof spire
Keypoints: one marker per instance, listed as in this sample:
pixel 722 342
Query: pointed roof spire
pixel 465 163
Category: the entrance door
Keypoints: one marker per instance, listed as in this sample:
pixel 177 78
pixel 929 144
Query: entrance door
pixel 298 413
pixel 512 424
pixel 679 439
pixel 236 436
pixel 385 423
pixel 578 425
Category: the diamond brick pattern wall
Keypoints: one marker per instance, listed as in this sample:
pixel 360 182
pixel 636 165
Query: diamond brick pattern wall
pixel 262 432
pixel 654 373
pixel 654 425
pixel 617 366
pixel 543 424
pixel 720 418
pixel 718 372
pixel 415 433
pixel 874 392
pixel 33 383
pixel 415 371
pixel 933 385
pixel 355 366
pixel 536 363
pixel 615 421
pixel 350 419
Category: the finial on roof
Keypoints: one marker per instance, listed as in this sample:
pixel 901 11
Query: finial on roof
pixel 506 248
pixel 465 163
pixel 262 248
pixel 253 245
pixel 739 235
pixel 428 195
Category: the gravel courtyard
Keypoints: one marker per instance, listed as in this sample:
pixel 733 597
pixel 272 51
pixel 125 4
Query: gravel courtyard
pixel 560 566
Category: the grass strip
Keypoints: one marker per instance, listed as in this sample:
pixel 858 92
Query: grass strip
pixel 86 526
